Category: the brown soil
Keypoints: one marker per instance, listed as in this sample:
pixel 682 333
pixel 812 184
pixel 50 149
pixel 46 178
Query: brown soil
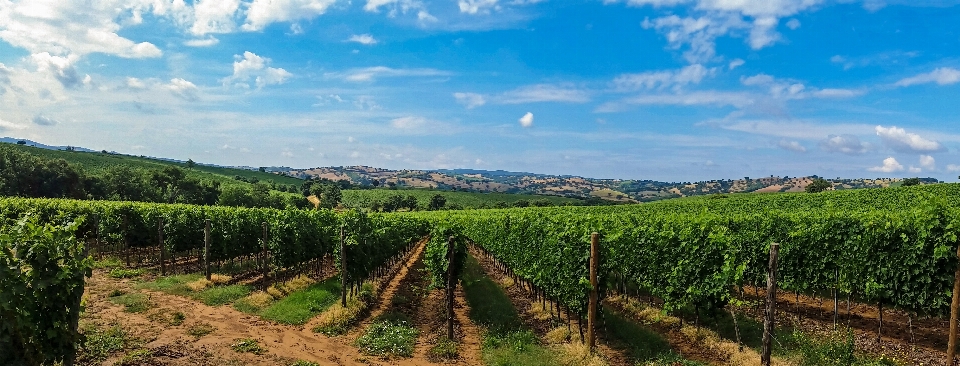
pixel 171 345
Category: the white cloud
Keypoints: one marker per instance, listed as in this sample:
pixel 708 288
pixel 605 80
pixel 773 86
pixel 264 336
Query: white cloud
pixel 941 76
pixel 214 16
pixel 203 42
pixel 736 63
pixel 264 12
pixel 900 140
pixel 78 28
pixel 137 84
pixel 60 67
pixel 793 24
pixel 398 6
pixel 42 120
pixel 712 98
pixel 716 18
pixel 914 169
pixel 252 66
pixel 928 162
pixel 543 93
pixel 845 144
pixel 408 123
pixel 692 74
pixel 470 100
pixel 477 6
pixel 890 165
pixel 424 17
pixel 364 39
pixel 792 146
pixel 790 89
pixel 183 89
pixel 368 74
pixel 526 120
pixel 7 126
pixel 953 168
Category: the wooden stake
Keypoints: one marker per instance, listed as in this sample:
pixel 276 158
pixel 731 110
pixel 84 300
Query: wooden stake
pixel 592 305
pixel 163 249
pixel 343 268
pixel 206 248
pixel 451 282
pixel 954 313
pixel 263 256
pixel 768 317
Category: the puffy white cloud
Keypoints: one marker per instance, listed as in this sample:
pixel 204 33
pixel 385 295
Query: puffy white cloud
pixel 543 93
pixel 941 76
pixel 251 65
pixel 900 140
pixel 368 74
pixel 470 100
pixel 264 12
pixel 890 165
pixel 214 16
pixel 78 28
pixel 477 6
pixel 736 63
pixel 526 120
pixel 60 67
pixel 42 120
pixel 716 18
pixel 183 89
pixel 692 74
pixel 8 126
pixel 792 146
pixel 845 144
pixel 928 162
pixel 202 42
pixel 364 39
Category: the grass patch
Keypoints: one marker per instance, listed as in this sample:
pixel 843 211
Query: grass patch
pixel 337 318
pixel 136 358
pixel 126 272
pixel 642 343
pixel 216 296
pixel 107 263
pixel 833 350
pixel 132 303
pixel 300 306
pixel 254 303
pixel 174 285
pixel 166 317
pixel 389 336
pixel 304 363
pixel 99 343
pixel 671 359
pixel 200 329
pixel 248 345
pixel 445 349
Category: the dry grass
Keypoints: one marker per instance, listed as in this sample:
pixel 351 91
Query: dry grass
pixel 539 311
pixel 577 354
pixel 506 282
pixel 199 285
pixel 337 318
pixel 259 299
pixel 276 292
pixel 220 279
pixel 281 290
pixel 558 335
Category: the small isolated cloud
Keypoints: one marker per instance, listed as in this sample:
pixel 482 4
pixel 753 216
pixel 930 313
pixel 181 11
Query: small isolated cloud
pixel 890 165
pixel 286 154
pixel 470 100
pixel 477 6
pixel 252 66
pixel 203 42
pixel 42 120
pixel 664 79
pixel 844 144
pixel 364 39
pixel 928 162
pixel 953 168
pixel 902 141
pixel 792 146
pixel 793 24
pixel 914 169
pixel 183 89
pixel 736 63
pixel 941 76
pixel 526 120
pixel 408 123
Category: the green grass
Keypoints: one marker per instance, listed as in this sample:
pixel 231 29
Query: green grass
pixel 643 344
pixel 174 285
pixel 136 358
pixel 108 262
pixel 126 273
pixel 506 342
pixel 835 350
pixel 389 336
pixel 200 329
pixel 100 343
pixel 132 303
pixel 222 295
pixel 298 307
pixel 363 197
pixel 248 345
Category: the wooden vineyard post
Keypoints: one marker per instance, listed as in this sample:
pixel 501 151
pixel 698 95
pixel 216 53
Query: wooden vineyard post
pixel 126 240
pixel 263 256
pixel 768 316
pixel 163 249
pixel 592 305
pixel 343 267
pixel 451 282
pixel 954 313
pixel 206 249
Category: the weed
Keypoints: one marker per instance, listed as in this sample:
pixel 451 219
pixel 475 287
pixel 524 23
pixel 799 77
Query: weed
pixel 200 329
pixel 254 303
pixel 300 306
pixel 126 273
pixel 388 338
pixel 108 262
pixel 177 318
pixel 135 358
pixel 217 296
pixel 116 292
pixel 164 316
pixel 133 303
pixel 248 345
pixel 337 318
pixel 199 285
pixel 304 363
pixel 220 279
pixel 174 285
pixel 836 349
pixel 445 349
pixel 99 343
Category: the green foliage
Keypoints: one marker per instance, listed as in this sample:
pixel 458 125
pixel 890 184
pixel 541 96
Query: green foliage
pixel 818 185
pixel 445 348
pixel 389 338
pixel 910 182
pixel 367 198
pixel 437 202
pixel 100 343
pixel 136 358
pixel 300 306
pixel 437 253
pixel 42 272
pixel 132 303
pixel 248 345
pixel 834 350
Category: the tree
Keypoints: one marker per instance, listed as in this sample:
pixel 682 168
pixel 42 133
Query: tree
pixel 263 170
pixel 191 164
pixel 818 185
pixel 911 182
pixel 437 202
pixel 21 142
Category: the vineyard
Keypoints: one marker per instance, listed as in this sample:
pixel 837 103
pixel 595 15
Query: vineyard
pixel 893 248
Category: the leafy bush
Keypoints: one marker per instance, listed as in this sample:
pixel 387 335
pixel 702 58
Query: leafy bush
pixel 389 337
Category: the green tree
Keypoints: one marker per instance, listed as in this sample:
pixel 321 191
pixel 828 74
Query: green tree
pixel 911 182
pixel 437 202
pixel 191 164
pixel 818 185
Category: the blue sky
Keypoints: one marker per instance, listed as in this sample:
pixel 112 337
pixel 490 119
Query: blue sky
pixel 677 90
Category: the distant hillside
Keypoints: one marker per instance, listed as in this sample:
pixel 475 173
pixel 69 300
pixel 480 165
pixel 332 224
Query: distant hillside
pixel 571 186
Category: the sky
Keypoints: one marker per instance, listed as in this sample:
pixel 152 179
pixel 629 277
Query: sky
pixel 672 90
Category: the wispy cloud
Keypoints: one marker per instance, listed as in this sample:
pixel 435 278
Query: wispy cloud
pixel 364 39
pixel 940 76
pixel 369 74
